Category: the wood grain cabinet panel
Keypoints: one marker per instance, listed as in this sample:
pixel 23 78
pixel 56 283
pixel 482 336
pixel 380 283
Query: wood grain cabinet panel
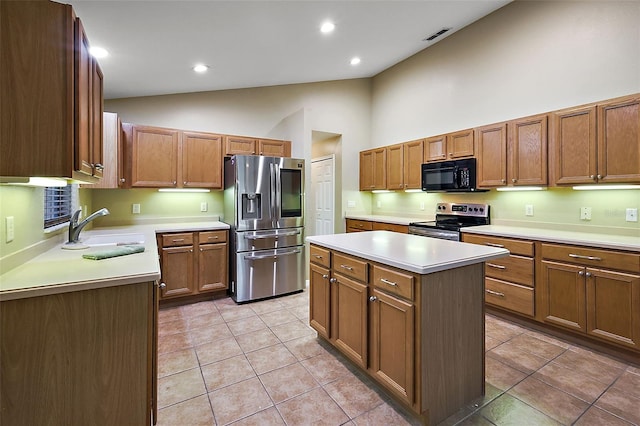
pixel 435 148
pixel 527 151
pixel 460 144
pixel 413 156
pixel 564 295
pixel 320 300
pixel 349 318
pixel 395 166
pixel 212 267
pixel 177 271
pixel 201 160
pixel 239 145
pixel 373 169
pixel 491 148
pixel 154 157
pixel 274 148
pixel 393 227
pixel 356 225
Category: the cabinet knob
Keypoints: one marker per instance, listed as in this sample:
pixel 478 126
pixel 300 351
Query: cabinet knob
pixel 333 280
pixel 184 183
pixel 122 180
pixel 592 177
pixel 162 286
pixel 599 176
pixel 325 276
pixel 503 181
pixel 588 274
pixel 514 180
pixel 373 299
pixel 174 183
pixel 201 249
pixel 451 154
pixel 99 166
pixel 581 273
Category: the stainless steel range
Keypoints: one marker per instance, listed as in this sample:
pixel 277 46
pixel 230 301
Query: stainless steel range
pixel 450 218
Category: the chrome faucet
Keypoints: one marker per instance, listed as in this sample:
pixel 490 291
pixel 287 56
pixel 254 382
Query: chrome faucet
pixel 75 227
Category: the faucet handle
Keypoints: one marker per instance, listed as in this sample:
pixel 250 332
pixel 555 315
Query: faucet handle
pixel 76 215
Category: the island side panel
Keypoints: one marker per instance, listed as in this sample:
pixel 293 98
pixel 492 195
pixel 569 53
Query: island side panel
pixel 452 322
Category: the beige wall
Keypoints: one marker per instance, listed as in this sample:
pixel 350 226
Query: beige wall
pixel 526 58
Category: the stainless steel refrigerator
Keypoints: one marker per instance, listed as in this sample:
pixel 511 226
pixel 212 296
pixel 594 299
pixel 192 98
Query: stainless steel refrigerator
pixel 264 206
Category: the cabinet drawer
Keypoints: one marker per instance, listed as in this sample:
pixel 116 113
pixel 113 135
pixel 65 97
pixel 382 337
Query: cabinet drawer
pixel 350 266
pixel 361 225
pixel 521 247
pixel 514 297
pixel 393 227
pixel 172 240
pixel 212 237
pixel 517 269
pixel 394 282
pixel 592 257
pixel 320 256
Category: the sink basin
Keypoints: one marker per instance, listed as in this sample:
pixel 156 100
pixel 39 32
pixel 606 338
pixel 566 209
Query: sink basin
pixel 113 239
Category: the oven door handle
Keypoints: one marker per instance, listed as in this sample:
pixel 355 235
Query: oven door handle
pixel 271 256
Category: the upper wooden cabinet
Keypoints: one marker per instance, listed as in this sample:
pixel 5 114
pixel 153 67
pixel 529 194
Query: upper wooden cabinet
pixel 491 146
pixel 201 160
pixel 597 143
pixel 373 169
pixel 404 162
pixel 240 145
pixel 449 147
pixel 112 175
pixel 51 94
pixel 395 166
pixel 157 157
pixel 527 151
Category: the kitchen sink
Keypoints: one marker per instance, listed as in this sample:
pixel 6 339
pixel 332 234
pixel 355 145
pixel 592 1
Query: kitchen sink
pixel 113 239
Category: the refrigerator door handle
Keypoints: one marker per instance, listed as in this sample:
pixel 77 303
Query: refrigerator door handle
pixel 273 173
pixel 265 236
pixel 271 256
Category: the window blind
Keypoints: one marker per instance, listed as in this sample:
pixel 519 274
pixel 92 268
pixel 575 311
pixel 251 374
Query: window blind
pixel 57 205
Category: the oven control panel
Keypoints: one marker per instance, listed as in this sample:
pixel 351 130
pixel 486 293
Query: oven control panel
pixel 463 209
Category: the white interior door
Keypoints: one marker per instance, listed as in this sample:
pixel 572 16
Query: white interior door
pixel 323 189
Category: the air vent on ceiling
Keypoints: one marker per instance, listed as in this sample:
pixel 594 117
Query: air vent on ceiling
pixel 436 35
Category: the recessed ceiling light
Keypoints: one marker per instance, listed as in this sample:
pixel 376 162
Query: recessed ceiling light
pixel 98 52
pixel 201 68
pixel 327 27
pixel 355 61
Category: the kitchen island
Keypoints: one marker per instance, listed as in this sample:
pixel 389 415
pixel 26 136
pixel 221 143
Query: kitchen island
pixel 406 309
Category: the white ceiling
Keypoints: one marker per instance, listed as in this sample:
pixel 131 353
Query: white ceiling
pixel 153 45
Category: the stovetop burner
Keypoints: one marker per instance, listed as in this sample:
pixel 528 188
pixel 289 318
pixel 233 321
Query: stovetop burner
pixel 452 216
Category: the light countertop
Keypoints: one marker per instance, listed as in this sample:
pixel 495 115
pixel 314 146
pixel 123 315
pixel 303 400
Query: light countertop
pixel 59 271
pixel 620 242
pixel 409 252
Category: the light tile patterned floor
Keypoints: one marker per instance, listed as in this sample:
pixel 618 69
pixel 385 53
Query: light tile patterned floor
pixel 260 364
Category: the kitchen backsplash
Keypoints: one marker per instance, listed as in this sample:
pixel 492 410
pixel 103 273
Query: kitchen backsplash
pixel 555 206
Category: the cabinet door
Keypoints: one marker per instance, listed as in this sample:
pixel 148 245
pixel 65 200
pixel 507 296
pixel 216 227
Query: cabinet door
pixel 435 148
pixel 366 171
pixel 212 267
pixel 177 271
pixel 154 157
pixel 349 316
pixel 83 98
pixel 460 144
pixel 201 160
pixel 320 300
pixel 619 141
pixel 492 155
pixel 563 287
pixel 373 169
pixel 613 306
pixel 528 151
pixel 112 152
pixel 239 145
pixel 413 155
pixel 274 148
pixel 97 153
pixel 392 344
pixel 573 145
pixel 395 166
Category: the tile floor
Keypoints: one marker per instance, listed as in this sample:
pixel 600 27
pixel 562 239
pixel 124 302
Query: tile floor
pixel 260 364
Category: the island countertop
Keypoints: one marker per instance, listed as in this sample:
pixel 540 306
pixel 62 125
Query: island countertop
pixel 412 253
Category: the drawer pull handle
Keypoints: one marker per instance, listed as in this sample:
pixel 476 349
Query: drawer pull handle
pixel 317 256
pixel 347 267
pixel 212 238
pixel 179 240
pixel 493 265
pixel 494 245
pixel 388 282
pixel 495 293
pixel 579 256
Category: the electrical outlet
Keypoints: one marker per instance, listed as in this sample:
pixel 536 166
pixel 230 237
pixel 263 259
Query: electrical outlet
pixel 203 206
pixel 351 204
pixel 9 228
pixel 632 215
pixel 422 205
pixel 528 209
pixel 135 208
pixel 585 213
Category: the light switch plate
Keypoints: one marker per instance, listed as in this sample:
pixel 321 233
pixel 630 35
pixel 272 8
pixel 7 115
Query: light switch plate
pixel 632 215
pixel 135 208
pixel 528 209
pixel 9 228
pixel 203 206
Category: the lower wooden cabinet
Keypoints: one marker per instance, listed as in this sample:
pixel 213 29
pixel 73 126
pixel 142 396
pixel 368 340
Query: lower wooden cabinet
pixel 80 358
pixel 193 263
pixel 349 311
pixel 357 225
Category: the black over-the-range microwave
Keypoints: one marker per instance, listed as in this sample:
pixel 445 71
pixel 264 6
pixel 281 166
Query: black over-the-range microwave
pixel 450 176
